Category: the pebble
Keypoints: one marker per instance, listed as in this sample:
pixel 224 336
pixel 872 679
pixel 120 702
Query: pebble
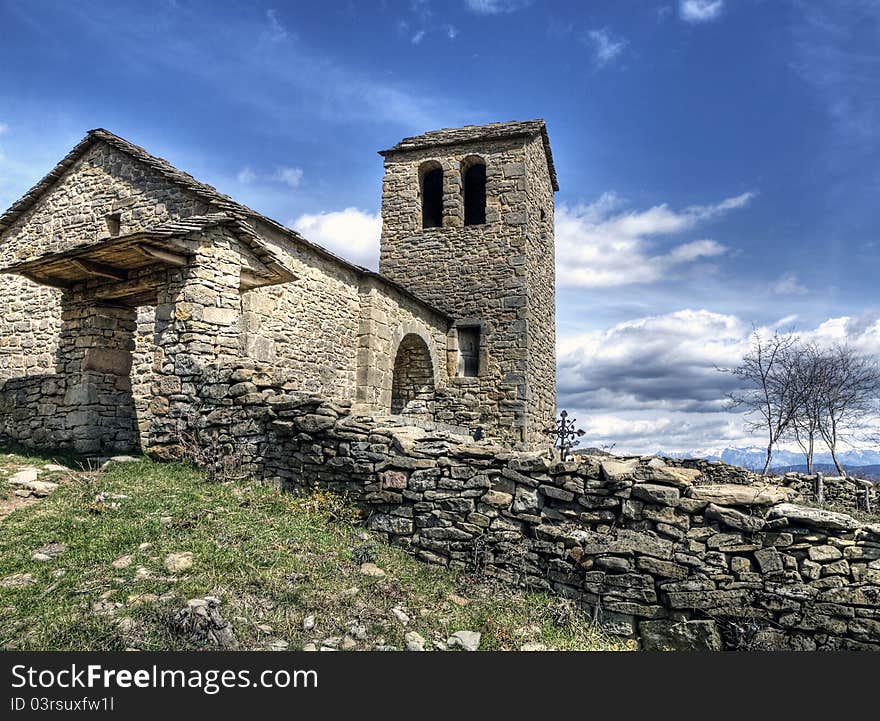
pixel 177 562
pixel 414 641
pixel 49 551
pixel 372 570
pixel 400 615
pixel 18 580
pixel 121 562
pixel 533 646
pixel 466 640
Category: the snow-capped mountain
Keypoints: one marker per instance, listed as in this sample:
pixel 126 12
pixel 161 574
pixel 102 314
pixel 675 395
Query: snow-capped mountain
pixel 753 457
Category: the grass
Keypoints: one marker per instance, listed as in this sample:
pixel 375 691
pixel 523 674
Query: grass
pixel 271 557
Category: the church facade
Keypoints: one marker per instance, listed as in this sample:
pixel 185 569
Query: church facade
pixel 122 279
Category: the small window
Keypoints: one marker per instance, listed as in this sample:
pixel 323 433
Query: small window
pixel 432 197
pixel 475 193
pixel 113 223
pixel 469 351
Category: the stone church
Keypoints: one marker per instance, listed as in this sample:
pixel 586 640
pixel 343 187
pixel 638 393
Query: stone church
pixel 122 279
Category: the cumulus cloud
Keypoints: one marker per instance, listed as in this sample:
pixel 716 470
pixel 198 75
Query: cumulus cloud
pixel 653 383
pixel 350 233
pixel 663 362
pixel 700 11
pixel 495 7
pixel 788 284
pixel 289 176
pixel 602 244
pixel 606 46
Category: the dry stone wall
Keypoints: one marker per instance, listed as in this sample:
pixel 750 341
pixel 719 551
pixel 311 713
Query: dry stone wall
pixel 844 493
pixel 653 550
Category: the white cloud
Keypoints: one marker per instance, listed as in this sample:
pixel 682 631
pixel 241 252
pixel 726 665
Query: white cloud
pixel 246 176
pixel 451 31
pixel 4 128
pixel 289 176
pixel 606 46
pixel 653 383
pixel 788 284
pixel 495 7
pixel 700 11
pixel 351 233
pixel 417 38
pixel 601 245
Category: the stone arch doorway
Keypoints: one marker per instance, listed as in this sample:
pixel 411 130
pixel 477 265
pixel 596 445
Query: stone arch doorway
pixel 412 384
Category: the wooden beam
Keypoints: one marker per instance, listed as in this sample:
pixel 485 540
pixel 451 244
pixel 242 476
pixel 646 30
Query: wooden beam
pixel 44 280
pixel 250 280
pixel 101 270
pixel 163 255
pixel 135 287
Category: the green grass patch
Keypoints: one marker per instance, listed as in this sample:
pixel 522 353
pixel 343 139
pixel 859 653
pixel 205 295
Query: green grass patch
pixel 271 557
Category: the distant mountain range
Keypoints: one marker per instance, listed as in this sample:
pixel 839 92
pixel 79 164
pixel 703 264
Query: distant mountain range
pixel 753 458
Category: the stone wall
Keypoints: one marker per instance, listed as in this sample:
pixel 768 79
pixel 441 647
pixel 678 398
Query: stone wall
pixel 29 323
pixel 844 493
pixel 498 275
pixel 86 406
pixel 652 550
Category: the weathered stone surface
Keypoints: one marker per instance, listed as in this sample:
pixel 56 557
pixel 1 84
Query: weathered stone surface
pixel 178 562
pixel 769 560
pixel 652 493
pixel 680 636
pixel 200 621
pixel 614 470
pixel 465 640
pixel 735 519
pixel 733 495
pixel 823 554
pixel 815 517
pixel 372 570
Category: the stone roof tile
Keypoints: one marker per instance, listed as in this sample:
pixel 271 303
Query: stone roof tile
pixel 479 133
pixel 210 194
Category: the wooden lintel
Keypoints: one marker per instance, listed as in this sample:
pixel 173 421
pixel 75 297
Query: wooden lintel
pixel 101 270
pixel 163 255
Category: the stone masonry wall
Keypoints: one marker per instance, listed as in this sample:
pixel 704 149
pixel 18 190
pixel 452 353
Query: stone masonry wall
pixel 652 550
pixel 30 318
pixel 481 274
pixel 541 266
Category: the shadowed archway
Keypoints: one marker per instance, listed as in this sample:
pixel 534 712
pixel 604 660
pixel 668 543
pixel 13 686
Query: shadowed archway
pixel 412 385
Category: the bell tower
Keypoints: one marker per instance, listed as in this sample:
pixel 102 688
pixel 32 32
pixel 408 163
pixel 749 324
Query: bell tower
pixel 467 225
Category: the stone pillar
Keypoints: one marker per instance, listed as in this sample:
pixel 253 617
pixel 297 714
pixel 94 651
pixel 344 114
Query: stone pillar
pixel 94 362
pixel 198 334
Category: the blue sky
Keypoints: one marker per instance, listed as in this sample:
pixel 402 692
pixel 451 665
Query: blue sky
pixel 719 160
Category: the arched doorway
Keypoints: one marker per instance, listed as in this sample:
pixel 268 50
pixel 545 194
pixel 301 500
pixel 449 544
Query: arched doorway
pixel 412 385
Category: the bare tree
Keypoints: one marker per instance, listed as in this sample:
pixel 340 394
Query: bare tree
pixel 770 391
pixel 849 396
pixel 810 375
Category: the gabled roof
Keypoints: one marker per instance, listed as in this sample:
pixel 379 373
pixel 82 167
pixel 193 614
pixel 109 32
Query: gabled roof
pixel 480 133
pixel 231 209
